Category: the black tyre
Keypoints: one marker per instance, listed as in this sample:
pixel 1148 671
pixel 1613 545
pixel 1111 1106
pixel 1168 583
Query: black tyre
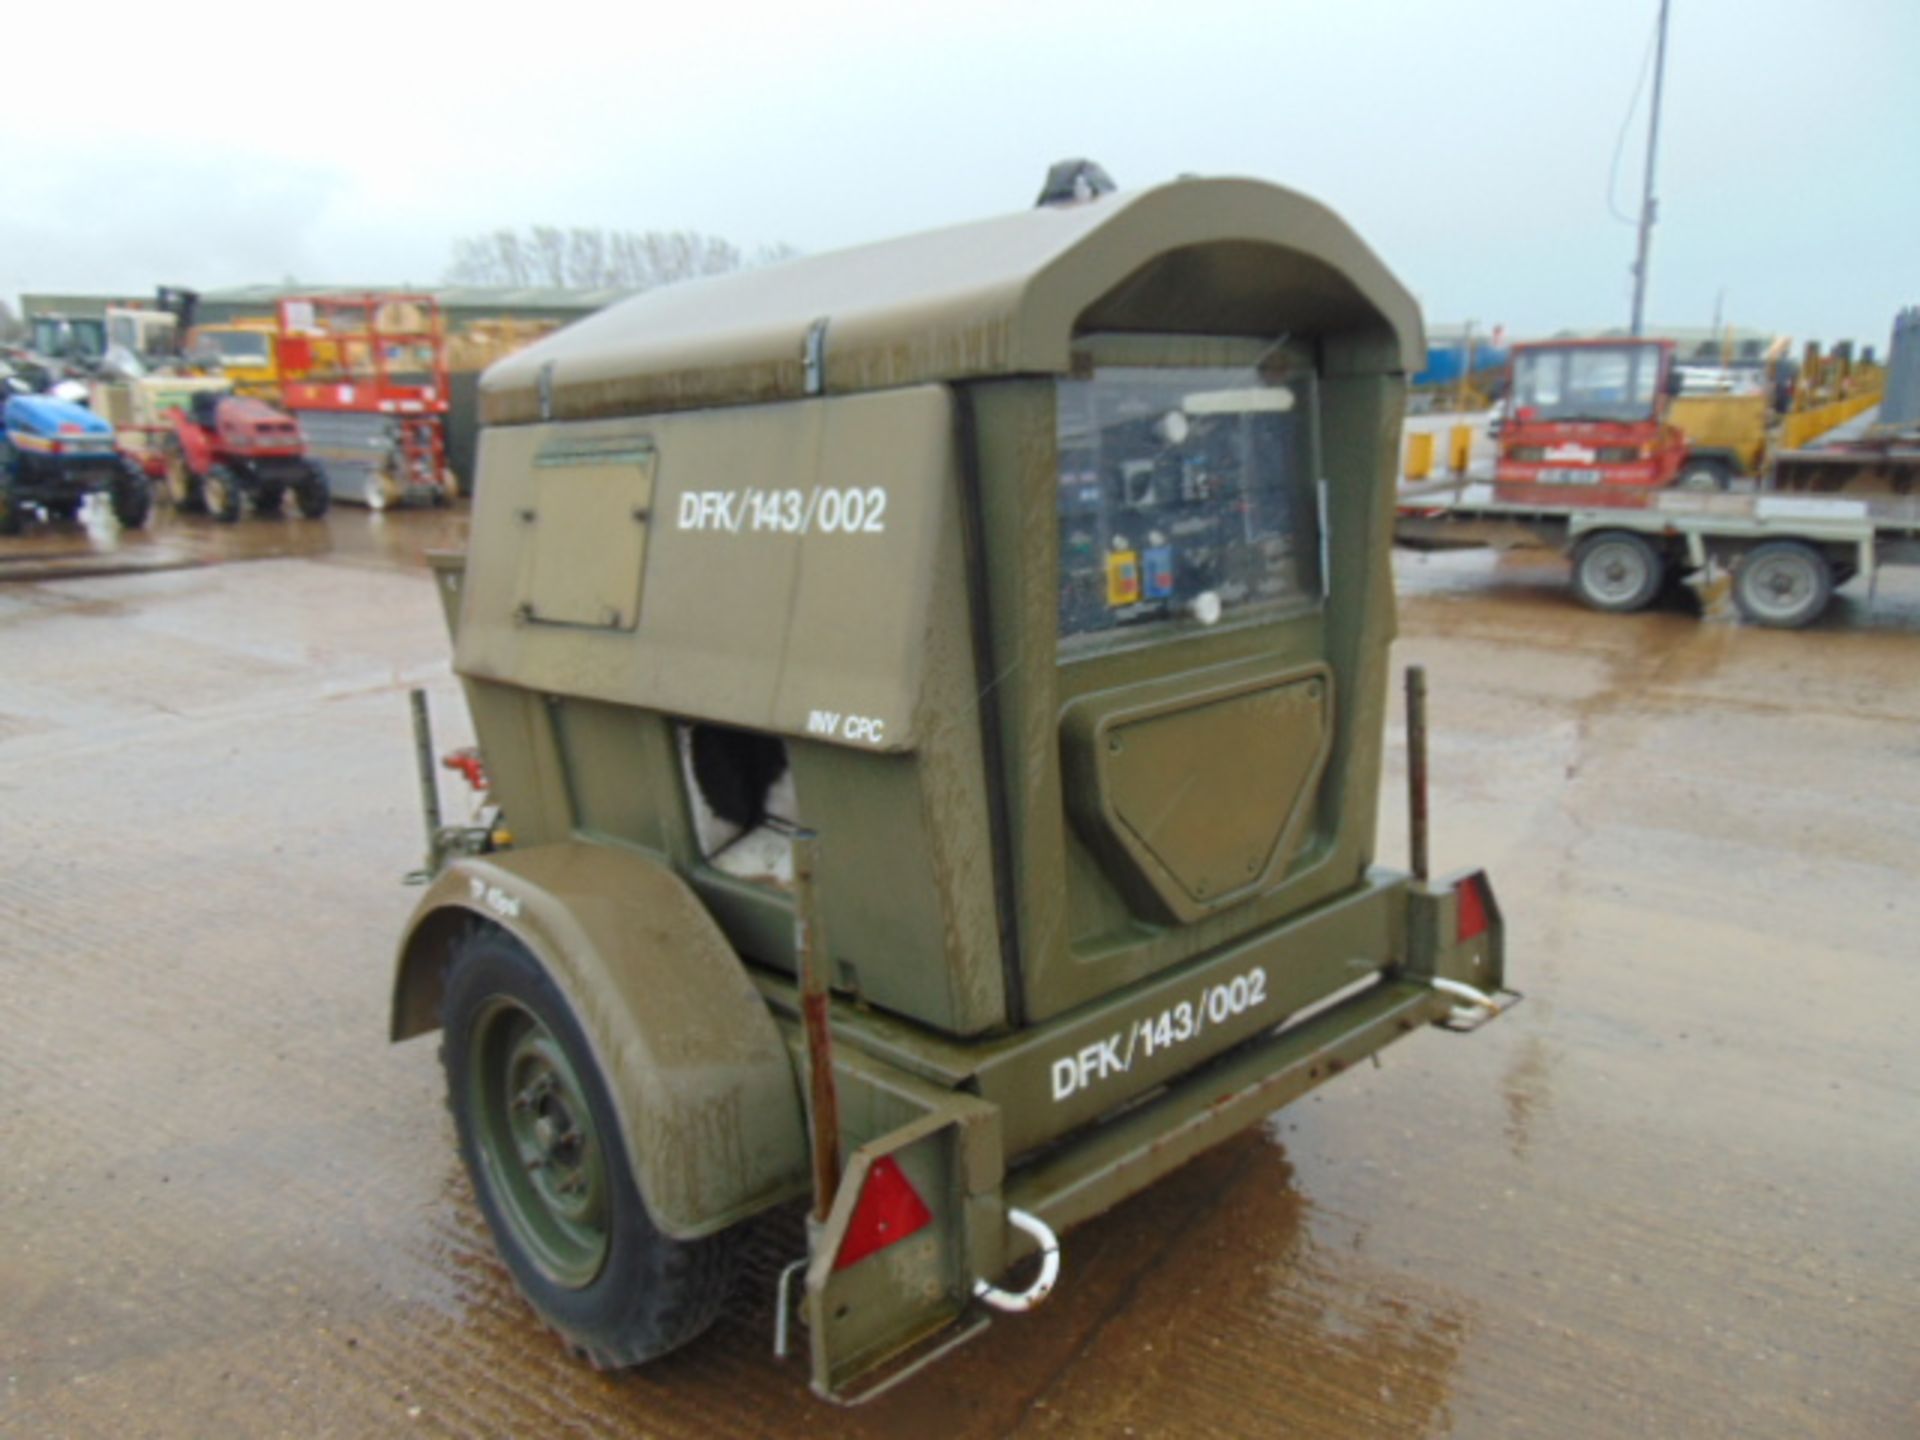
pixel 1784 584
pixel 549 1167
pixel 132 500
pixel 220 492
pixel 312 495
pixel 12 519
pixel 1617 570
pixel 1703 475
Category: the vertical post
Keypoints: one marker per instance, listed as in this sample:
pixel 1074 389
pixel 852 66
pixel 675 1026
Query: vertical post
pixel 811 959
pixel 1647 202
pixel 1466 369
pixel 429 787
pixel 1417 768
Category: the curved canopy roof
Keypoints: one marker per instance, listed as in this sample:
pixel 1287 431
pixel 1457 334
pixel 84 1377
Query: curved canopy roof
pixel 1003 296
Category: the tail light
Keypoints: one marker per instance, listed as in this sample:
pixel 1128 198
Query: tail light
pixel 889 1210
pixel 1471 904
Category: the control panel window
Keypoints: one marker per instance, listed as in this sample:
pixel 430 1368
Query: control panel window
pixel 1187 498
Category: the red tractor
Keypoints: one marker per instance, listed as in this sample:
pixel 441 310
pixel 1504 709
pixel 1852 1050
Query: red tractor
pixel 226 448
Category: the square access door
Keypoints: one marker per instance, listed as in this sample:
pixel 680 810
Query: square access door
pixel 587 547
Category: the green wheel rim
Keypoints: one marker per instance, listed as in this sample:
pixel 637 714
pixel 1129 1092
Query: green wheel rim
pixel 537 1142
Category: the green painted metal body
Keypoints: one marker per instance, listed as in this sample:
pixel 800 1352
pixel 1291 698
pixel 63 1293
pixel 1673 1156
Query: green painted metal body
pixel 1068 867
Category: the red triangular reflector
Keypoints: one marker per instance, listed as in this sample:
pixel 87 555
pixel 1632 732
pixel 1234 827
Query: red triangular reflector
pixel 889 1211
pixel 1473 910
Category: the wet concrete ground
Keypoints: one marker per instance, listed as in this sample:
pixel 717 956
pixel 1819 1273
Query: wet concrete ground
pixel 1673 1193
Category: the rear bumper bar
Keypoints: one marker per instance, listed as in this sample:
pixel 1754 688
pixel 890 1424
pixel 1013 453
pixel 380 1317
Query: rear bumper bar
pixel 1216 1102
pixel 877 1318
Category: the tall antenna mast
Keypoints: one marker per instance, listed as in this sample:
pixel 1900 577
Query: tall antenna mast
pixel 1647 203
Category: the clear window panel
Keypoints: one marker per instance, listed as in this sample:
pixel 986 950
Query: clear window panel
pixel 1187 499
pixel 1615 382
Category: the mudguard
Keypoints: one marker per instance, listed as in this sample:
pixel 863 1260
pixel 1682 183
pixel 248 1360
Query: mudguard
pixel 704 1088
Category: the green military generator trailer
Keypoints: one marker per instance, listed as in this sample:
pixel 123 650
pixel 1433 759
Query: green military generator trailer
pixel 936 691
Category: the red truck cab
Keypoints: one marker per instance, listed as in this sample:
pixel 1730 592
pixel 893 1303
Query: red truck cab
pixel 1587 424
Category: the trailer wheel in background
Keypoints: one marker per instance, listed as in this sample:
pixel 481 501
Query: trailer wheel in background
pixel 1784 584
pixel 542 1144
pixel 1617 570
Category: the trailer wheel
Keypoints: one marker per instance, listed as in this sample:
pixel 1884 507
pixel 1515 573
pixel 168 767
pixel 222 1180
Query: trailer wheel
pixel 220 492
pixel 1617 570
pixel 1784 584
pixel 543 1149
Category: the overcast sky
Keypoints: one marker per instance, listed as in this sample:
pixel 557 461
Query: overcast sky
pixel 1469 141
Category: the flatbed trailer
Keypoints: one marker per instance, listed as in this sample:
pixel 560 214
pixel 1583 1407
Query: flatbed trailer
pixel 1786 552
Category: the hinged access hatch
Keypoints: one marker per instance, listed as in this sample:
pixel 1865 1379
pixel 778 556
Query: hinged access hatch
pixel 586 546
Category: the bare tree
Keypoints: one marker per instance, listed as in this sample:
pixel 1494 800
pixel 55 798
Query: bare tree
pixel 549 251
pixel 584 258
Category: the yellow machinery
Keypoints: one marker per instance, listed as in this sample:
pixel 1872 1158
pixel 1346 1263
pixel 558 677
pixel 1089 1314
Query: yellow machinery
pixel 1733 425
pixel 241 350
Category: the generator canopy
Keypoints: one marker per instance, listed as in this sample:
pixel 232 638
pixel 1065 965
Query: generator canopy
pixel 996 297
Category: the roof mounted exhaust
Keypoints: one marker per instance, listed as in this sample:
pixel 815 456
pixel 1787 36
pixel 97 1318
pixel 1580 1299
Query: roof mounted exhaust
pixel 1074 182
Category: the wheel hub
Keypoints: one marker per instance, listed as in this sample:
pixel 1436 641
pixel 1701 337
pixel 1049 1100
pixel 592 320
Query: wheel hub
pixel 537 1139
pixel 1617 571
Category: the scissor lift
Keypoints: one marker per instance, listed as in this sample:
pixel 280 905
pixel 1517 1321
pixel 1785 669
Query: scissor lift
pixel 366 376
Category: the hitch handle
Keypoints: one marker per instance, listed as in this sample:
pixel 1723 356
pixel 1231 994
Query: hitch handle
pixel 429 785
pixel 811 959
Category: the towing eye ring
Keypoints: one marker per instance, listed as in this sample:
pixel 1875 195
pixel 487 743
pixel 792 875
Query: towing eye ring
pixel 1012 1301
